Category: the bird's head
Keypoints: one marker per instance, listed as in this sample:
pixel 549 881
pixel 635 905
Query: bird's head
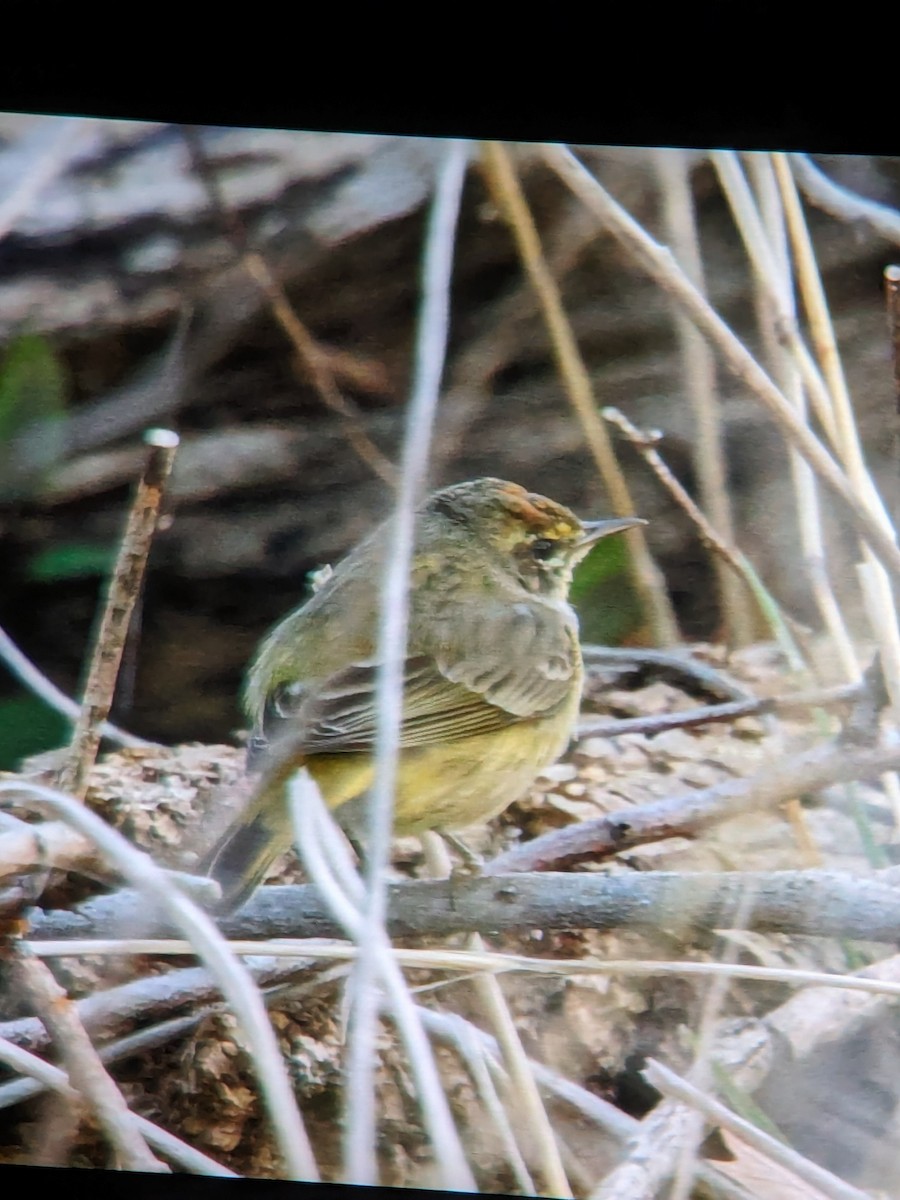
pixel 540 540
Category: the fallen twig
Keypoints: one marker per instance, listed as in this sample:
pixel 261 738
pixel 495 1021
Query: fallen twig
pixel 689 673
pixel 156 891
pixel 714 713
pixel 47 1076
pixel 49 844
pixel 698 370
pixel 686 814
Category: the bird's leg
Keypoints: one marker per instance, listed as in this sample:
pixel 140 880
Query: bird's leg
pixel 471 864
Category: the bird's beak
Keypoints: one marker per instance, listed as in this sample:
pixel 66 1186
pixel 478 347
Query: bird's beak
pixel 595 530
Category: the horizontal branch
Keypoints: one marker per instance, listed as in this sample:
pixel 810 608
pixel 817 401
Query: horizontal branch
pixel 824 903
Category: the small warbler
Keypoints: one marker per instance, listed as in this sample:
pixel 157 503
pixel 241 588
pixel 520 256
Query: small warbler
pixel 492 677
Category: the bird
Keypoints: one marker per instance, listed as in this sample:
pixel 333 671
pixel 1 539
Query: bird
pixel 492 675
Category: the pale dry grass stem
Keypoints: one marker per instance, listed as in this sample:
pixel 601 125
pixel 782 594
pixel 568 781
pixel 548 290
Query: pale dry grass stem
pixel 507 193
pixel 698 370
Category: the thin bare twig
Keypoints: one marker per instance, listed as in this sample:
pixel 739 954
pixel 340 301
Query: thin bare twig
pixel 462 963
pixel 769 225
pixel 113 625
pixel 525 1094
pixel 644 443
pixel 702 1068
pixel 658 262
pixel 318 365
pixel 770 275
pixel 27 673
pixel 714 713
pixel 454 1030
pixel 840 202
pixel 692 674
pixel 474 1057
pixel 105 1013
pixel 892 296
pixel 821 327
pixel 338 888
pixel 86 1073
pixel 507 193
pixel 680 1090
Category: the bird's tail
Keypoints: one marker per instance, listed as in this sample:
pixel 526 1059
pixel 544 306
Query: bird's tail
pixel 241 858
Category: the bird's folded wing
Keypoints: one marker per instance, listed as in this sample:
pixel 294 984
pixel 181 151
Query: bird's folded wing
pixel 505 675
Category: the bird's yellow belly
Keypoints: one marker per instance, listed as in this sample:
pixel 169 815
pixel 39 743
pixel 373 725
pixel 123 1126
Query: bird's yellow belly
pixel 447 785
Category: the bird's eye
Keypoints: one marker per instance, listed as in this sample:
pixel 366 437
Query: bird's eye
pixel 543 548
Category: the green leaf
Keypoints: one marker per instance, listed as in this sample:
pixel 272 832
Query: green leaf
pixel 71 560
pixel 608 559
pixel 28 726
pixel 33 389
pixel 603 596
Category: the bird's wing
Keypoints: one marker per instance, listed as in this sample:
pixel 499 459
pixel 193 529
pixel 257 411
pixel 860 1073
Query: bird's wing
pixel 446 695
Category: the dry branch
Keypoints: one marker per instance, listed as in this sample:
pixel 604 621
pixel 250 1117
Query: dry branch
pixel 687 814
pixel 714 713
pixel 36 985
pixel 157 892
pixel 698 370
pixel 820 903
pixel 44 1075
pixel 113 626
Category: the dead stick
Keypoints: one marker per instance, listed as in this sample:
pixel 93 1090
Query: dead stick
pixel 712 713
pixel 113 626
pixel 892 289
pixel 87 1074
pixel 644 442
pixel 814 902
